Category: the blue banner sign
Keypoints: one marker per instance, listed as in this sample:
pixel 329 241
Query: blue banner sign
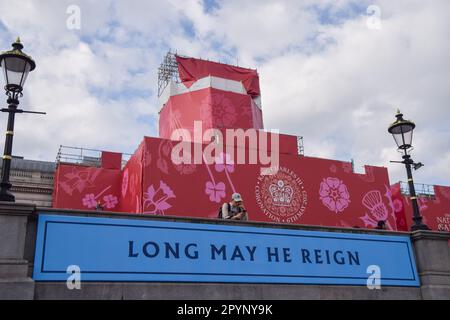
pixel 107 249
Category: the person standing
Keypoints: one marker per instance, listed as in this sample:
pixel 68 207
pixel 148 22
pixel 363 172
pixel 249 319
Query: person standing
pixel 235 210
pixel 381 225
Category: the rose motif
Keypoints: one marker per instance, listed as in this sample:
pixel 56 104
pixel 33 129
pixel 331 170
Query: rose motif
pixel 220 110
pixel 334 194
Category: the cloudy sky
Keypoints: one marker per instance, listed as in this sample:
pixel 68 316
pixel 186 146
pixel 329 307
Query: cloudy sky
pixel 332 71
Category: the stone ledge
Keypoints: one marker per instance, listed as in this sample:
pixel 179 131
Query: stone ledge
pixel 16 209
pixel 434 278
pixel 17 289
pixel 429 235
pixel 217 291
pixel 435 292
pixel 11 268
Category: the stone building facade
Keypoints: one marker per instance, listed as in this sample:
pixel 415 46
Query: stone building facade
pixel 32 181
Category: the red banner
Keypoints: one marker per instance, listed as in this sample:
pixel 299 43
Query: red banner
pixel 85 188
pixel 435 210
pixel 304 190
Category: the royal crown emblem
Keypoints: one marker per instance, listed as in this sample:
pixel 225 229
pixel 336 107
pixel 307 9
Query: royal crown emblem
pixel 281 193
pixel 281 196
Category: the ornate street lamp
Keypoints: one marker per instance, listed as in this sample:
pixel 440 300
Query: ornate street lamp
pixel 16 65
pixel 402 131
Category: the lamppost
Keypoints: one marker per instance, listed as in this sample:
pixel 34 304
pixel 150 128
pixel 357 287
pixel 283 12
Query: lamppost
pixel 402 131
pixel 16 65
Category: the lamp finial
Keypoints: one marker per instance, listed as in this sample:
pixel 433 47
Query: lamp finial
pixel 17 45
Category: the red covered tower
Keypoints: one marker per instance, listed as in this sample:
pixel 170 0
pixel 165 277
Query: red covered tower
pixel 221 96
pixel 304 190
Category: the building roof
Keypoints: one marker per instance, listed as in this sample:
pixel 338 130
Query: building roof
pixel 32 165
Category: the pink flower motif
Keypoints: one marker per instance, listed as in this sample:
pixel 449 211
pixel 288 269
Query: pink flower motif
pixel 206 112
pixel 224 162
pixel 167 191
pixel 398 205
pixel 79 180
pixel 215 192
pixel 155 201
pixel 368 221
pixel 218 111
pixel 150 194
pixel 223 111
pixel 334 194
pixel 67 189
pixel 89 201
pixel 110 201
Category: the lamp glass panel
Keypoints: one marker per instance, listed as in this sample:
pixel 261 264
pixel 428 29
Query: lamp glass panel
pixel 4 71
pixel 408 137
pixel 403 135
pixel 16 70
pixel 398 139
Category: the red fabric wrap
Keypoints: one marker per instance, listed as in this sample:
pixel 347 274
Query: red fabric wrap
pixel 191 69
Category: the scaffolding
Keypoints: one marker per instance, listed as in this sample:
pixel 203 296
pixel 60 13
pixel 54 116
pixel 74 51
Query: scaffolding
pixel 84 156
pixel 167 71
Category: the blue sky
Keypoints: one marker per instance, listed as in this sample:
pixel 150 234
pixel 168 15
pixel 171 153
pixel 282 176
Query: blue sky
pixel 326 73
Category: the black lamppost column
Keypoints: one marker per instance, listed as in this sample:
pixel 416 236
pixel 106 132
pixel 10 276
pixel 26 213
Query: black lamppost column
pixel 402 131
pixel 5 185
pixel 16 65
pixel 417 218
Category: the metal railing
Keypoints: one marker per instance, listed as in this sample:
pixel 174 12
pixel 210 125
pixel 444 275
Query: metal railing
pixel 84 156
pixel 422 190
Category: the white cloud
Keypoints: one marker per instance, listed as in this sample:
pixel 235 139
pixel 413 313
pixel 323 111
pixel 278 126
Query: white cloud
pixel 324 74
